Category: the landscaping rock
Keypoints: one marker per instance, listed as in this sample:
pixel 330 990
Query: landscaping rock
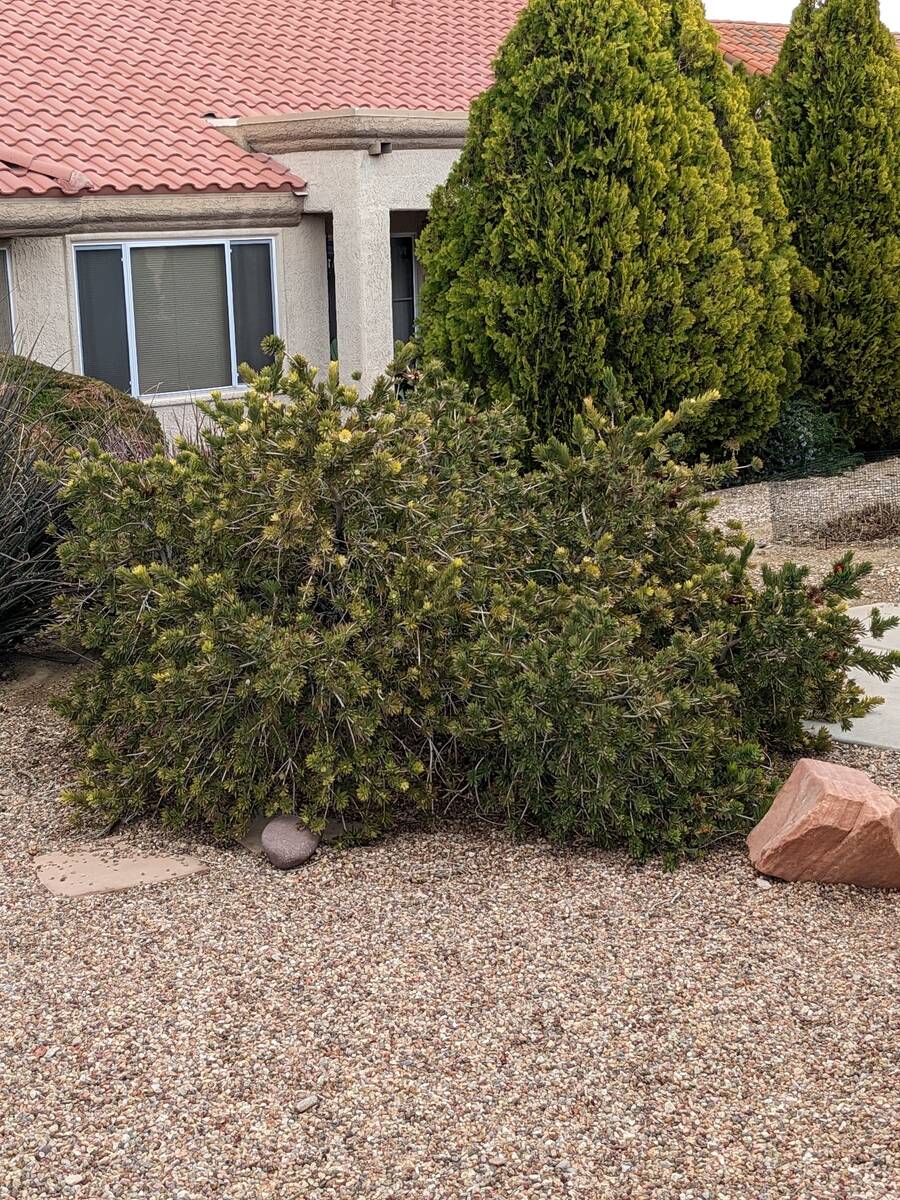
pixel 286 844
pixel 830 824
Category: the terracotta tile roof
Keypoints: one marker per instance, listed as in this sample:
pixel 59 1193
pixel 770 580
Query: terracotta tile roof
pixel 117 91
pixel 757 46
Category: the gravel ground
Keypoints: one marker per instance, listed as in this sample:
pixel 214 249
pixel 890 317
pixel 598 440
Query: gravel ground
pixel 752 506
pixel 442 1016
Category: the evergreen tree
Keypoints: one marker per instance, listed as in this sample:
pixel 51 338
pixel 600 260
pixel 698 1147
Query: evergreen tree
pixel 612 208
pixel 834 118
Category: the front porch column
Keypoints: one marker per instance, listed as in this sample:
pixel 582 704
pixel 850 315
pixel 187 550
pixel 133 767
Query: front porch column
pixel 362 278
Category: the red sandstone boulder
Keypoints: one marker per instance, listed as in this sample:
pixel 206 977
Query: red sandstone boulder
pixel 831 824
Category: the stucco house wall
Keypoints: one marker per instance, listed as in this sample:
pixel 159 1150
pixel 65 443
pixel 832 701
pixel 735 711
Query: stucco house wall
pixel 360 191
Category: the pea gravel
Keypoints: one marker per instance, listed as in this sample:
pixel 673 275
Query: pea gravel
pixel 442 1016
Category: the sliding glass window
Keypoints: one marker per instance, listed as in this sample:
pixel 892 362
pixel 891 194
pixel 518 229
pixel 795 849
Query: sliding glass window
pixel 165 317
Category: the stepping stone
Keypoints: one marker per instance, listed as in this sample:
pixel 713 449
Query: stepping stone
pixel 881 728
pixel 87 873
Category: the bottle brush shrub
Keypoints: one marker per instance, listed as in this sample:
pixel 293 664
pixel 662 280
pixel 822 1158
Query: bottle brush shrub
pixel 614 207
pixel 353 604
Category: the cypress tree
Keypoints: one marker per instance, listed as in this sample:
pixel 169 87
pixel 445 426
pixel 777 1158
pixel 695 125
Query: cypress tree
pixel 612 208
pixel 834 119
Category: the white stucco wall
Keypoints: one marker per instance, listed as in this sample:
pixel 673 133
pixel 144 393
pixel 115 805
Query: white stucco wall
pixel 360 191
pixel 41 308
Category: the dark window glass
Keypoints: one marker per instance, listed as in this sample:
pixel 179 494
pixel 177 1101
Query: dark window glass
pixel 403 293
pixel 101 308
pixel 6 330
pixel 251 282
pixel 332 298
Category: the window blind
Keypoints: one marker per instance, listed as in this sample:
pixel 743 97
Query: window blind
pixel 251 284
pixel 101 310
pixel 180 302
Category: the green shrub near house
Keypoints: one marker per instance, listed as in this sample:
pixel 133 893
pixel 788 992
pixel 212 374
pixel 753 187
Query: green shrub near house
pixel 833 113
pixel 68 409
pixel 614 207
pixel 346 604
pixel 43 412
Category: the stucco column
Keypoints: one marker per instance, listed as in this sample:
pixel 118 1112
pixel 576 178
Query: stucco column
pixel 362 284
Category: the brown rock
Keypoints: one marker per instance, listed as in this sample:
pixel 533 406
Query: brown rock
pixel 831 824
pixel 286 843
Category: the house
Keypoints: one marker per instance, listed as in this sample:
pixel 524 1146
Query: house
pixel 178 179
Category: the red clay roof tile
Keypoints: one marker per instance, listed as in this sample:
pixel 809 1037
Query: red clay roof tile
pixel 119 89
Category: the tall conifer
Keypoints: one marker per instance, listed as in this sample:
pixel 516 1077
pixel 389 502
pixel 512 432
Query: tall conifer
pixel 834 119
pixel 613 207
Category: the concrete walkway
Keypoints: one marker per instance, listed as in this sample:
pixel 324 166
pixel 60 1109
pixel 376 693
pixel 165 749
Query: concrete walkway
pixel 881 728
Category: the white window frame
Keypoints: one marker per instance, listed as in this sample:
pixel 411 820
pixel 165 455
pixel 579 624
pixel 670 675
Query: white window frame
pixel 6 247
pixel 125 246
pixel 411 238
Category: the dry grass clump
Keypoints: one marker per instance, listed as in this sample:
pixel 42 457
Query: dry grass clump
pixel 869 524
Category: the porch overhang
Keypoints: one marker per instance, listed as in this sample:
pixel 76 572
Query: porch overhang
pixel 348 129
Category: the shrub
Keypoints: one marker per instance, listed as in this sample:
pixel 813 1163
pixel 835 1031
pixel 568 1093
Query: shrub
pixel 614 206
pixel 29 572
pixel 346 604
pixel 834 118
pixel 42 411
pixel 69 409
pixel 807 440
pixel 274 608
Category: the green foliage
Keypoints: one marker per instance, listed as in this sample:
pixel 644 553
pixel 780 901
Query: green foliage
pixel 29 572
pixel 757 86
pixel 348 605
pixel 42 411
pixel 795 647
pixel 834 119
pixel 807 440
pixel 69 409
pixel 614 207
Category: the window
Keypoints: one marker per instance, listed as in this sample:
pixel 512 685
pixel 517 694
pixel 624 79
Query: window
pixel 404 295
pixel 6 322
pixel 162 317
pixel 332 288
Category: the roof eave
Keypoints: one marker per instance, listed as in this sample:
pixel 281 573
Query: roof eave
pixel 44 216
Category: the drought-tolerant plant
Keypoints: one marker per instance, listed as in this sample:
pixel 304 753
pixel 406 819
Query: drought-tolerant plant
pixel 833 113
pixel 42 412
pixel 613 207
pixel 69 409
pixel 30 575
pixel 350 604
pixel 806 440
pixel 274 607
